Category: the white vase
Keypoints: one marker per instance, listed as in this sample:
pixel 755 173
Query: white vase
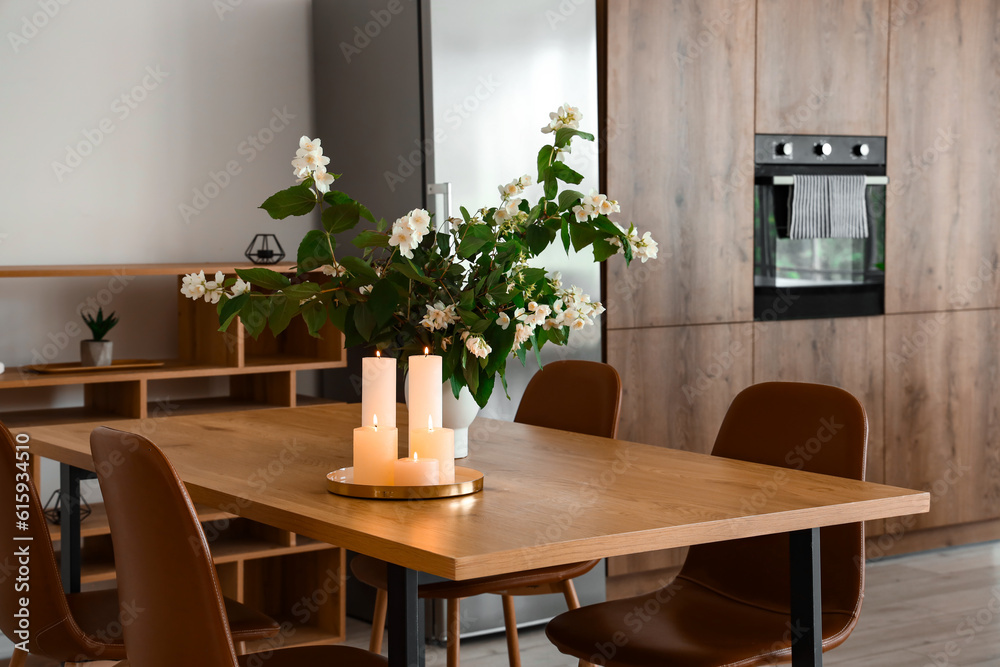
pixel 95 353
pixel 456 414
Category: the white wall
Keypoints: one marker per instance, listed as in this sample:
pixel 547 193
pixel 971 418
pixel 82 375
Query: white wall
pixel 153 97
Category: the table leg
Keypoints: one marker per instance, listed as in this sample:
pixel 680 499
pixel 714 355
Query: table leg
pixel 69 526
pixel 406 619
pixel 807 616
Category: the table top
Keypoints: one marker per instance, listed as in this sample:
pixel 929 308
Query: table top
pixel 550 497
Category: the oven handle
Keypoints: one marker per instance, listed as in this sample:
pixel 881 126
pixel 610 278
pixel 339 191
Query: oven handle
pixel 869 180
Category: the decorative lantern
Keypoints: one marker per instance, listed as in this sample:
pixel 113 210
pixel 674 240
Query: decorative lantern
pixel 265 249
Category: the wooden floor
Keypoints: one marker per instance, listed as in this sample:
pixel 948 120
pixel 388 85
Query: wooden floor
pixel 934 609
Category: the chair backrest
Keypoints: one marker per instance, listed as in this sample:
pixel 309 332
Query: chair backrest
pixel 54 634
pixel 811 427
pixel 161 556
pixel 573 395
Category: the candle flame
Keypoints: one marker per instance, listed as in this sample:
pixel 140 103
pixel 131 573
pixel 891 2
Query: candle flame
pixel 375 421
pixel 378 353
pixel 414 456
pixel 430 423
pixel 427 351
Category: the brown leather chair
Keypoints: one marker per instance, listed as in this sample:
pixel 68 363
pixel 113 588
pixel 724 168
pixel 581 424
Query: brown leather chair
pixel 729 606
pixel 79 626
pixel 165 568
pixel 572 395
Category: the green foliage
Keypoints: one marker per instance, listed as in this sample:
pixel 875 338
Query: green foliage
pixel 100 326
pixel 478 266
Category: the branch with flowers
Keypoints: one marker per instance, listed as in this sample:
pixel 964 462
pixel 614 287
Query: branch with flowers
pixel 466 289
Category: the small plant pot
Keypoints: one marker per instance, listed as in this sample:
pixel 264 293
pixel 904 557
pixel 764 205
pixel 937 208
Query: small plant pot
pixel 95 352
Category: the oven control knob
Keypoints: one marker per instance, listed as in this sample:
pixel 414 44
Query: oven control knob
pixel 861 150
pixel 824 148
pixel 784 149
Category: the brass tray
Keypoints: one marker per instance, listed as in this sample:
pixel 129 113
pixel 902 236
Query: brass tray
pixel 467 480
pixel 75 367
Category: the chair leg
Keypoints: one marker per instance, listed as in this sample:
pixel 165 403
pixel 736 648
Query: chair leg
pixel 19 658
pixel 510 621
pixel 569 592
pixel 454 630
pixel 378 621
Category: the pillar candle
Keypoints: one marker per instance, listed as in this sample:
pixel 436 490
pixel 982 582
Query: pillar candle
pixel 416 471
pixel 435 443
pixel 425 390
pixel 378 390
pixel 375 454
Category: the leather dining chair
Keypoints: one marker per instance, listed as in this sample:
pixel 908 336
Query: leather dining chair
pixel 571 395
pixel 165 568
pixel 730 604
pixel 73 627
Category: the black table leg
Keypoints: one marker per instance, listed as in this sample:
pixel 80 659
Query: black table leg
pixel 406 619
pixel 807 616
pixel 69 525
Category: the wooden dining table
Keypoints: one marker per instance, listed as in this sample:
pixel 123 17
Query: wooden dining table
pixel 549 498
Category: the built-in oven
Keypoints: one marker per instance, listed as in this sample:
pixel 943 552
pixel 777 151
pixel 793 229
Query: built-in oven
pixel 819 226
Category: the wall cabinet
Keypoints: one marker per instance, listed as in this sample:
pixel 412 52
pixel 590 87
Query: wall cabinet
pixel 679 133
pixel 943 204
pixel 821 66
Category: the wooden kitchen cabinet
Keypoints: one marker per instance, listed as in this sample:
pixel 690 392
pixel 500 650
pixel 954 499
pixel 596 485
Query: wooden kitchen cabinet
pixel 679 131
pixel 943 203
pixel 942 380
pixel 822 66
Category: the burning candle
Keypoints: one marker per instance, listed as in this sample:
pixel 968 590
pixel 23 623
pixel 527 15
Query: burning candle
pixel 435 443
pixel 415 471
pixel 375 454
pixel 425 390
pixel 378 389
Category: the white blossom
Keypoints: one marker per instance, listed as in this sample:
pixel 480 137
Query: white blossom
pixel 477 346
pixel 193 285
pixel 521 334
pixel 324 180
pixel 307 145
pixel 439 316
pixel 334 269
pixel 503 320
pixel 240 287
pixel 565 116
pixel 646 248
pixel 403 238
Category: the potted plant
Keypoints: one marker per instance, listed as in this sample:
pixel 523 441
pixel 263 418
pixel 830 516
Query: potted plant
pixel 466 288
pixel 97 351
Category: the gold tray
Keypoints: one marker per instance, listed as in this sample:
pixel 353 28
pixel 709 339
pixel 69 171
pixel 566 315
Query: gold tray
pixel 76 367
pixel 467 480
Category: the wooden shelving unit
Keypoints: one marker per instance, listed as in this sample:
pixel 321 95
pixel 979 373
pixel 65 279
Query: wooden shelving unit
pixel 297 581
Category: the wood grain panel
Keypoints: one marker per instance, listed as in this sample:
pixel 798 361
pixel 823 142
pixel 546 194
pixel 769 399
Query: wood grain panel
pixel 677 384
pixel 846 352
pixel 942 410
pixel 943 203
pixel 679 133
pixel 822 66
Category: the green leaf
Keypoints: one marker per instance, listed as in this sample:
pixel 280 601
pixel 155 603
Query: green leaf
pixel 341 217
pixel 481 326
pixel 603 250
pixel 315 316
pixel 301 291
pixel 335 197
pixel 568 199
pixel 231 309
pixel 338 317
pixel 565 234
pixel 467 300
pixel 563 172
pixel 296 200
pixel 538 239
pixel 383 301
pixel 538 350
pixel 369 238
pixel 360 269
pixel 364 320
pixel 465 215
pixel 456 384
pixel 410 270
pixel 551 184
pixel 471 374
pixel 565 134
pixel 254 316
pixel 482 396
pixel 444 243
pixel 469 318
pixel 470 246
pixel 544 158
pixel 265 278
pixel 315 250
pixel 283 309
pixel 583 235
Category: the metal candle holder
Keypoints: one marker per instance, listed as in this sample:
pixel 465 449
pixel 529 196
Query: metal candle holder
pixel 260 250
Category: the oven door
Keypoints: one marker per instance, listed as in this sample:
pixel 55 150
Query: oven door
pixel 815 278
